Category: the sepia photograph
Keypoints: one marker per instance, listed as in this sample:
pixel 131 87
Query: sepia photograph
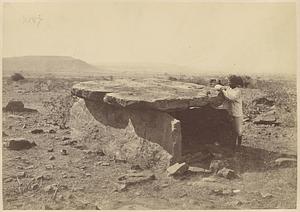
pixel 149 105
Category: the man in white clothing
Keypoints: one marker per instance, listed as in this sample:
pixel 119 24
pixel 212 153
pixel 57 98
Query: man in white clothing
pixel 234 105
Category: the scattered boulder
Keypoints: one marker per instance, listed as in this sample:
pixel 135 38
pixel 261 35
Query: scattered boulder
pixel 136 167
pixel 216 165
pixel 34 186
pixel 66 138
pixel 14 106
pixel 227 173
pixel 7 180
pixel 51 131
pixel 29 167
pixel 13 116
pixel 209 179
pixel 88 174
pixel 266 118
pixel 136 178
pixel 69 142
pixel 50 150
pixel 37 131
pixel 264 101
pixel 198 170
pixel 51 157
pixel 21 174
pixel 286 162
pixel 80 146
pixel 19 144
pixel 177 169
pixel 4 134
pixel 223 192
pixel 105 164
pixel 63 152
pixel 266 195
pixel 50 188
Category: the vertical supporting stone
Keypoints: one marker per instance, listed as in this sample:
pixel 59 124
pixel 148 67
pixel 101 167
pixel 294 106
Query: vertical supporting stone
pixel 177 141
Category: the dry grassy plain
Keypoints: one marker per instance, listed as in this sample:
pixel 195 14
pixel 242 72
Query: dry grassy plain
pixel 84 184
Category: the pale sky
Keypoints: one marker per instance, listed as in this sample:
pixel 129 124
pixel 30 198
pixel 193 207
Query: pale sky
pixel 249 37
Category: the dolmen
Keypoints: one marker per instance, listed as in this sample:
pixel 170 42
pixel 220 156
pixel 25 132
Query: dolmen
pixel 150 122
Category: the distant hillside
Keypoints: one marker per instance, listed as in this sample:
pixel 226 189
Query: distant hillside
pixel 41 65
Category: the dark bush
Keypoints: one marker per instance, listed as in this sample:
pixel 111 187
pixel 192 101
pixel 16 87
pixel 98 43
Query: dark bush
pixel 17 77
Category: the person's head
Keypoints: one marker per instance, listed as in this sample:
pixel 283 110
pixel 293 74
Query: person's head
pixel 235 81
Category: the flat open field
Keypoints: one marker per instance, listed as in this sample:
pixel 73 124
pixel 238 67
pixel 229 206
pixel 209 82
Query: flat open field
pixel 84 178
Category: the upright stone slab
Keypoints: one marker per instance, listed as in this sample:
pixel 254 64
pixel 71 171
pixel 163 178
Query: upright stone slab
pixel 133 118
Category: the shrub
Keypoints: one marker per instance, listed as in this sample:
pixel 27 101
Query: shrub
pixel 59 110
pixel 17 77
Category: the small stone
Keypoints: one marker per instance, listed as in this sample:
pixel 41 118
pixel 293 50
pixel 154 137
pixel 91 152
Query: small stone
pixel 7 180
pixel 35 186
pixel 100 152
pixel 47 207
pixel 60 197
pixel 21 174
pixel 87 151
pixel 266 195
pixel 29 167
pixel 217 155
pixel 4 134
pixel 37 131
pixel 63 152
pixel 227 192
pixel 66 138
pixel 88 174
pixel 227 173
pixel 51 157
pixel 122 187
pixel 165 185
pixel 51 131
pixel 177 169
pixel 16 117
pixel 78 189
pixel 50 150
pixel 50 188
pixel 286 162
pixel 183 195
pixel 136 167
pixel 105 164
pixel 40 177
pixel 70 196
pixel 65 176
pixel 18 144
pixel 137 193
pixel 208 179
pixel 198 170
pixel 83 167
pixel 24 126
pixel 216 165
pixel 49 167
pixel 236 191
pixel 80 146
pixel 193 202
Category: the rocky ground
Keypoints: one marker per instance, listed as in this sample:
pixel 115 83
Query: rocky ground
pixel 60 173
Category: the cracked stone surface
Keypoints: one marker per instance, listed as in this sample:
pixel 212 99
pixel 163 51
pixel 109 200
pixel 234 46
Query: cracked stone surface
pixel 158 94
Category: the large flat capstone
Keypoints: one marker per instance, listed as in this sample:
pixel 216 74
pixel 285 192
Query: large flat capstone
pixel 158 94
